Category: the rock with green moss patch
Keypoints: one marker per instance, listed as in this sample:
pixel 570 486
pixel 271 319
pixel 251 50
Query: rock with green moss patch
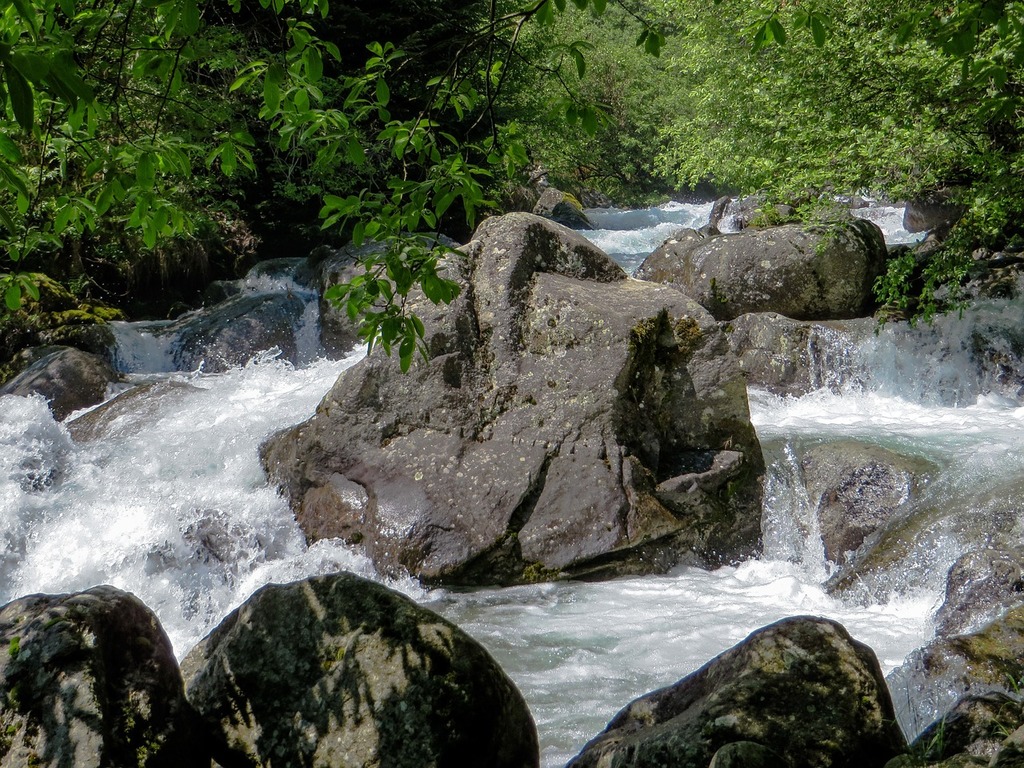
pixel 801 688
pixel 562 208
pixel 88 680
pixel 570 422
pixel 338 670
pixel 805 272
pixel 935 677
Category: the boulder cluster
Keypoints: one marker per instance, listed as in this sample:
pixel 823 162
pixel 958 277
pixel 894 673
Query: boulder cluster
pixel 571 422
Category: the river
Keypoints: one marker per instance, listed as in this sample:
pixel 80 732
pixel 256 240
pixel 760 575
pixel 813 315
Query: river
pixel 172 505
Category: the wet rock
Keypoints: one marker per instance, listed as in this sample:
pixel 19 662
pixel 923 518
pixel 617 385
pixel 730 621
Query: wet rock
pixel 794 357
pixel 234 331
pixel 935 677
pixel 89 679
pixel 129 412
pixel 932 213
pixel 570 421
pixel 718 210
pixel 801 688
pixel 562 208
pixel 68 378
pixel 819 272
pixel 856 489
pixel 981 585
pixel 338 670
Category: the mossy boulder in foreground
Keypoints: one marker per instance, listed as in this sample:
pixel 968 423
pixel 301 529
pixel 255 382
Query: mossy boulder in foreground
pixel 802 689
pixel 338 670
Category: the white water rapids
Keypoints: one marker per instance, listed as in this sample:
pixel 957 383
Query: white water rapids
pixel 172 505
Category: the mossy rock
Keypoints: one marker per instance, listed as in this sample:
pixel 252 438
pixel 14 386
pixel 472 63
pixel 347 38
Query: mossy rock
pixel 57 318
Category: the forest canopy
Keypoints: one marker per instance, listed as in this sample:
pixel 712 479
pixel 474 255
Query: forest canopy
pixel 139 137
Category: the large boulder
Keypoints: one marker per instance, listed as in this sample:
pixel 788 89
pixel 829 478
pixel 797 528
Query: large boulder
pixel 570 421
pixel 802 689
pixel 89 679
pixel 338 670
pixel 818 272
pixel 977 727
pixel 933 212
pixel 68 378
pixel 856 488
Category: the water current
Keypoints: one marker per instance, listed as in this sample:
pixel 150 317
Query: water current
pixel 170 503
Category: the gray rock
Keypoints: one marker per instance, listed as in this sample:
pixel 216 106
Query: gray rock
pixel 562 208
pixel 933 213
pixel 801 688
pixel 819 272
pixel 981 585
pixel 89 679
pixel 338 670
pixel 856 489
pixel 794 357
pixel 338 332
pixel 570 421
pixel 237 329
pixel 746 754
pixel 68 378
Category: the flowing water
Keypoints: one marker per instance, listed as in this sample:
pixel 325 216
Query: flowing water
pixel 170 503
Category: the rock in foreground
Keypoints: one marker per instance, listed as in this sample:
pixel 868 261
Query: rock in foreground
pixel 800 693
pixel 89 679
pixel 570 421
pixel 342 671
pixel 819 272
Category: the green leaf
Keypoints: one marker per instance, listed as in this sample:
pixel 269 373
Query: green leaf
pixel 68 7
pixel 9 149
pixel 818 31
pixel 188 23
pixel 599 6
pixel 581 63
pixel 383 94
pixel 145 170
pixel 778 32
pixel 29 286
pixel 27 12
pixel 33 66
pixel 588 117
pixel 21 97
pixel 313 64
pixel 272 87
pixel 12 297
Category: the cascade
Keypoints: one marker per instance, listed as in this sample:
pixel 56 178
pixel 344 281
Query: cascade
pixel 169 501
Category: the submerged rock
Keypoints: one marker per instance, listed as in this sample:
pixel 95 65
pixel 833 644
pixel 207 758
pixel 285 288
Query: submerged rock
pixel 129 412
pixel 89 679
pixel 68 378
pixel 338 670
pixel 234 331
pixel 856 488
pixel 802 689
pixel 817 272
pixel 570 421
